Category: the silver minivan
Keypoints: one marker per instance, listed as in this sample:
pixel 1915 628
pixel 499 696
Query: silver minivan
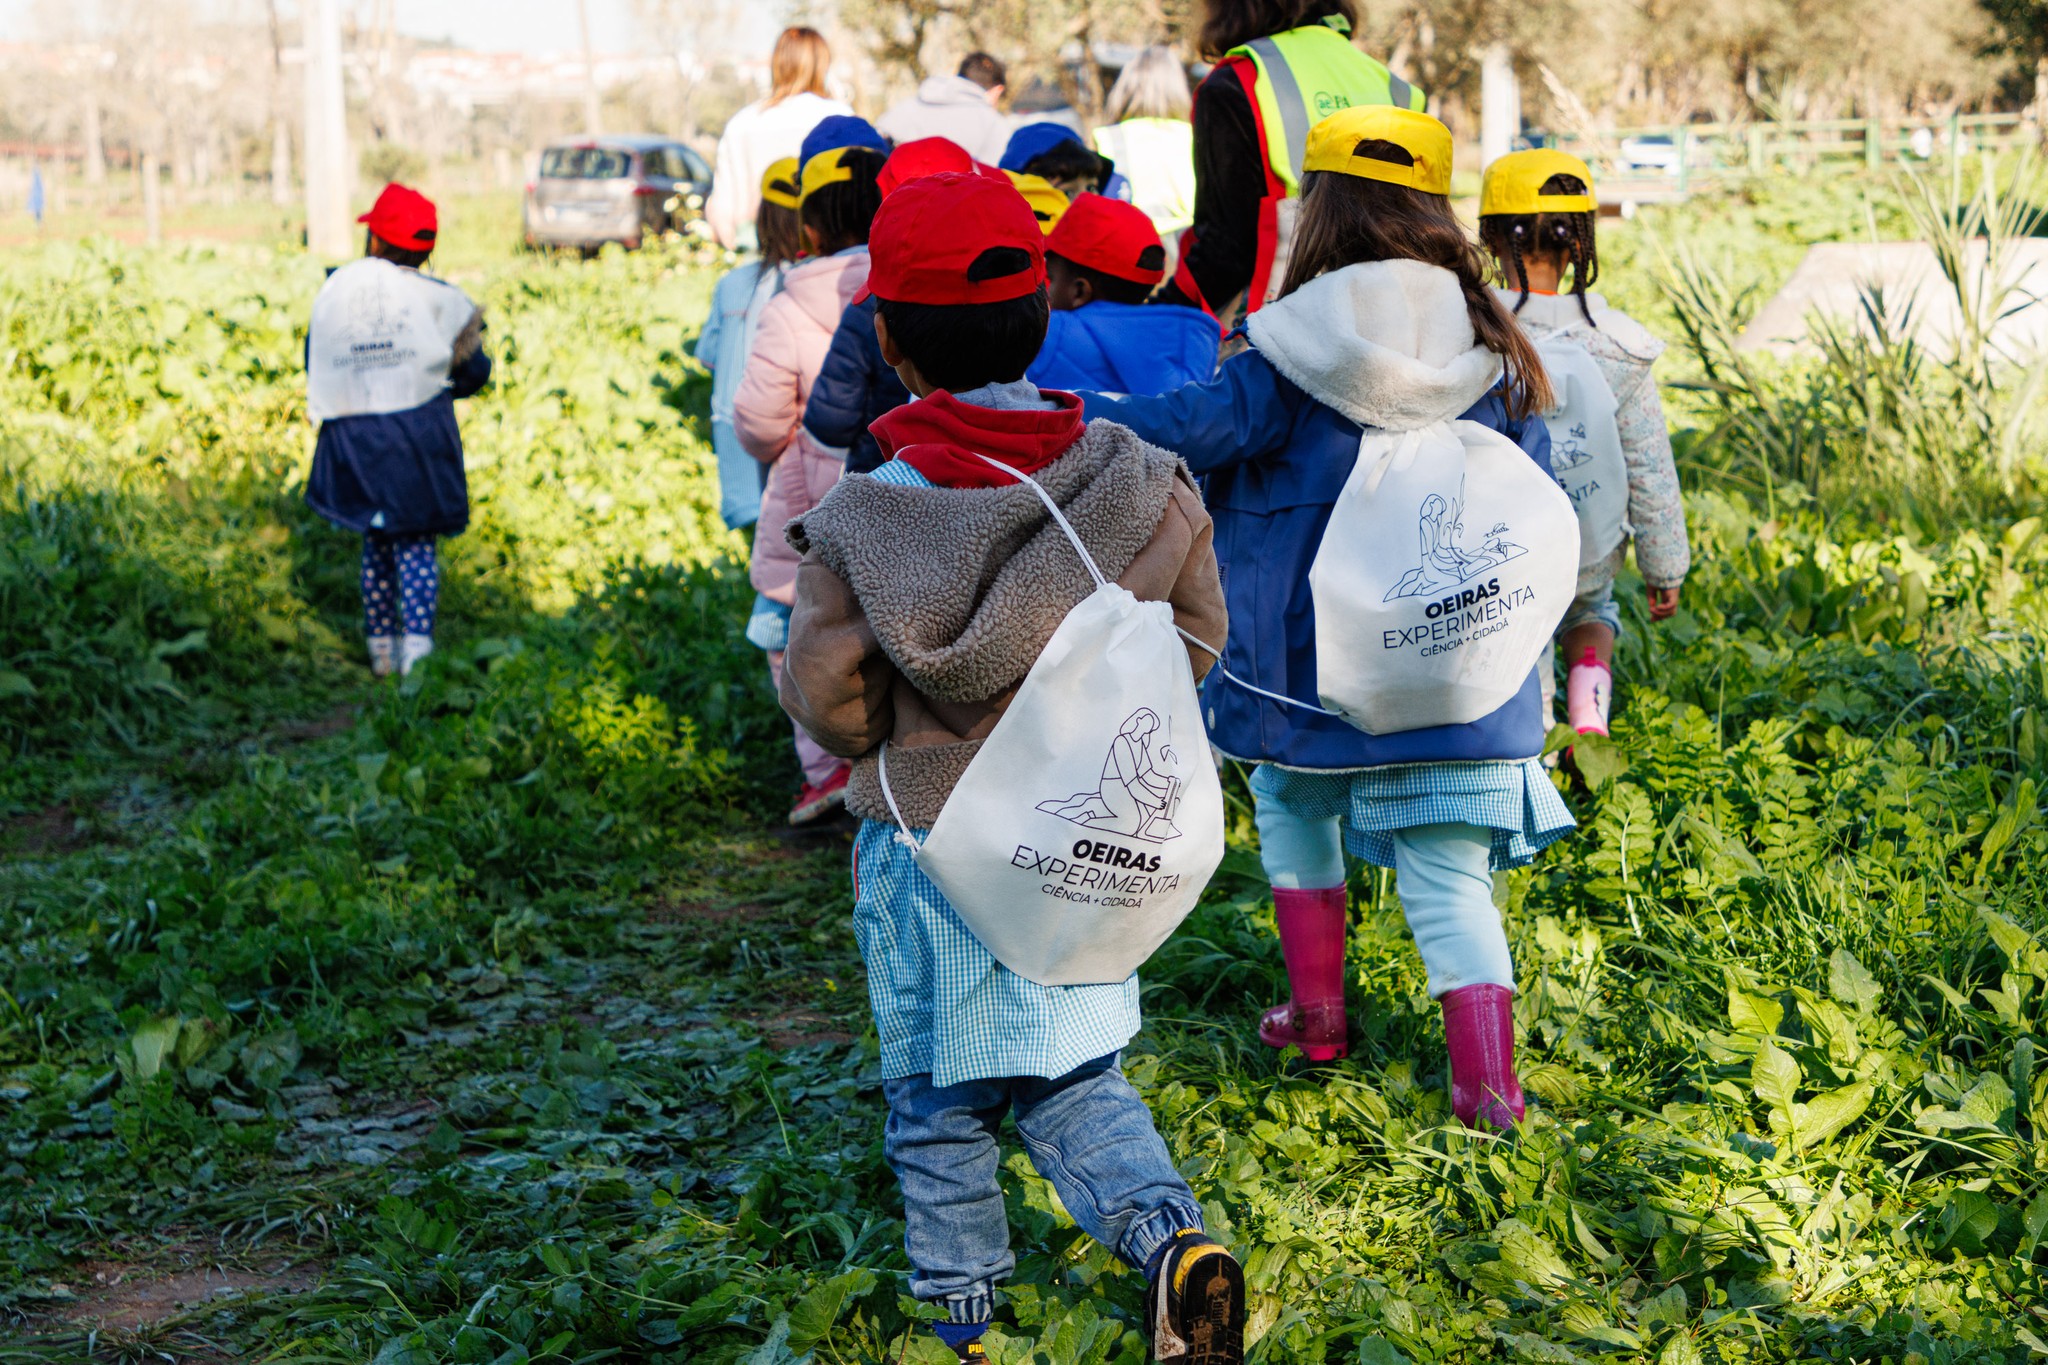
pixel 614 189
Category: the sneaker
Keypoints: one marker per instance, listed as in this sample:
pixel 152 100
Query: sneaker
pixel 411 649
pixel 1195 1306
pixel 383 656
pixel 818 800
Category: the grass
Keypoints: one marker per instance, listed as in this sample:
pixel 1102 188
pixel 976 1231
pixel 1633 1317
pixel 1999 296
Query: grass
pixel 485 1017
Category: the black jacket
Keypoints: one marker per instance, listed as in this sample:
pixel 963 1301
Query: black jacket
pixel 1219 250
pixel 853 388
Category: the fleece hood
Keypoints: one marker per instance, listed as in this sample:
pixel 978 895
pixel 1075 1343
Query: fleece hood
pixel 1387 343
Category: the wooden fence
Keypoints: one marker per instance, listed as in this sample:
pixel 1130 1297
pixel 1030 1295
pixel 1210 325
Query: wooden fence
pixel 1678 155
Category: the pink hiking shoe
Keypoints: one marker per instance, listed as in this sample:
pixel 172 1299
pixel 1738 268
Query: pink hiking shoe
pixel 1479 1026
pixel 1312 939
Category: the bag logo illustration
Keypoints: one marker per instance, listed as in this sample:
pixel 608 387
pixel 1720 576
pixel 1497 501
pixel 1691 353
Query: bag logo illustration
pixel 1445 563
pixel 1571 451
pixel 1139 793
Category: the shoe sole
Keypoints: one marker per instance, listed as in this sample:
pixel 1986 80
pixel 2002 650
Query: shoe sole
pixel 1214 1295
pixel 1315 1052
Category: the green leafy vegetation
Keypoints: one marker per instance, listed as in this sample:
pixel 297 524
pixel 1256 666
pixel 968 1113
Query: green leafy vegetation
pixel 485 1018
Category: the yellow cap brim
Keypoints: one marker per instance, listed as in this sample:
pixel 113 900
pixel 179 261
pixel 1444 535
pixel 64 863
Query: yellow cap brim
pixel 1332 144
pixel 1514 184
pixel 826 168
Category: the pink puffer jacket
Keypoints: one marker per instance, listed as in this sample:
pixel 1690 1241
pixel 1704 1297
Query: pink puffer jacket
pixel 789 348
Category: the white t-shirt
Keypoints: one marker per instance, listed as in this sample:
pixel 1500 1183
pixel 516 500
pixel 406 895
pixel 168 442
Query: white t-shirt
pixel 754 139
pixel 381 340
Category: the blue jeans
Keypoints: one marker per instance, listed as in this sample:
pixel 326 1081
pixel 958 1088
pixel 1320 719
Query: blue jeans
pixel 1087 1132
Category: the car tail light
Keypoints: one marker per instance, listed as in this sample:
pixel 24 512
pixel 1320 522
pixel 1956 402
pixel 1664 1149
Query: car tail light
pixel 646 191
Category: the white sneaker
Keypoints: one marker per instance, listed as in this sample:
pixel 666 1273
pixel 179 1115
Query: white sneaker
pixel 383 655
pixel 411 649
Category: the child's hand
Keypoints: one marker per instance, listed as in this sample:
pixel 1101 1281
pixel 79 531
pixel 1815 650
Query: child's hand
pixel 1663 603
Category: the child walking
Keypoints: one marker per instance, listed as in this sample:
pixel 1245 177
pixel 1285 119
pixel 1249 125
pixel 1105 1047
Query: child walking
pixel 838 198
pixel 1609 446
pixel 737 302
pixel 854 387
pixel 1385 323
pixel 388 352
pixel 1104 258
pixel 926 592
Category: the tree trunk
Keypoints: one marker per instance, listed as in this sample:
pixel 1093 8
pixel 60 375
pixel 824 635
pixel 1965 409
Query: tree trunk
pixel 280 160
pixel 152 200
pixel 95 142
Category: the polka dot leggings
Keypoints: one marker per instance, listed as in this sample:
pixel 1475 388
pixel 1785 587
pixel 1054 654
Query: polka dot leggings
pixel 401 582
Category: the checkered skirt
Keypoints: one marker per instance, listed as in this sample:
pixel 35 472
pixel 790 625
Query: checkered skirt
pixel 943 1004
pixel 1515 801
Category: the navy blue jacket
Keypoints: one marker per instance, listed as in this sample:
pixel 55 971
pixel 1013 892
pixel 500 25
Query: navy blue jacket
pixel 398 473
pixel 1126 348
pixel 853 388
pixel 1274 461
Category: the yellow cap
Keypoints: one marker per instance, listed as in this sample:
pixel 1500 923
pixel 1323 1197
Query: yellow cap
pixel 1330 145
pixel 827 168
pixel 1048 205
pixel 779 184
pixel 1514 184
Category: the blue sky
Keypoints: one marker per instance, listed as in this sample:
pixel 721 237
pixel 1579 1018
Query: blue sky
pixel 488 25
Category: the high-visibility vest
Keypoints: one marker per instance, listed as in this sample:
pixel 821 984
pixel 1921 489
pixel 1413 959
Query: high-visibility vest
pixel 1304 76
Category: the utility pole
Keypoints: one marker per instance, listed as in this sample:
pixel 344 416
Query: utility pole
pixel 327 161
pixel 592 123
pixel 1500 103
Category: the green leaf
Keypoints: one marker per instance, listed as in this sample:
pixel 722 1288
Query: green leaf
pixel 1377 1350
pixel 1757 1014
pixel 1774 1076
pixel 817 1313
pixel 1682 1349
pixel 14 684
pixel 1599 759
pixel 1850 982
pixel 150 1046
pixel 1827 1114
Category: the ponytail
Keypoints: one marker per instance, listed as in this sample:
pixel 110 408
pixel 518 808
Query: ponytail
pixel 1346 219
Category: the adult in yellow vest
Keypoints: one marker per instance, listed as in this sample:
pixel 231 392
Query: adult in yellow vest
pixel 1282 66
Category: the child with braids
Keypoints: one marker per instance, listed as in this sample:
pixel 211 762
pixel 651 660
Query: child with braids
pixel 1385 324
pixel 1609 446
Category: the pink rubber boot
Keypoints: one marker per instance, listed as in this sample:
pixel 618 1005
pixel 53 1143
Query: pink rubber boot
pixel 1479 1025
pixel 1312 939
pixel 1588 692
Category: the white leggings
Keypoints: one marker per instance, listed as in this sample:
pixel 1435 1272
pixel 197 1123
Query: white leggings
pixel 1443 874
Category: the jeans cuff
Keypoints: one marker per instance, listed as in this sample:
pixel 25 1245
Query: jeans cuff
pixel 973 1306
pixel 1155 1230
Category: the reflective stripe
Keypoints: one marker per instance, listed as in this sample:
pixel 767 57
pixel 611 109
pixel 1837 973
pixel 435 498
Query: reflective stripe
pixel 1275 72
pixel 1402 95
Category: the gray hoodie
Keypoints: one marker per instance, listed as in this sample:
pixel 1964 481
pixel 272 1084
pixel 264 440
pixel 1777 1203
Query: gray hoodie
pixel 951 107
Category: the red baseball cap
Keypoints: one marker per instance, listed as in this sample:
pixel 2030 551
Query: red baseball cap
pixel 1110 236
pixel 926 156
pixel 932 230
pixel 404 218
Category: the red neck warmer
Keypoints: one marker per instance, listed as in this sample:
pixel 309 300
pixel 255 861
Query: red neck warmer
pixel 939 436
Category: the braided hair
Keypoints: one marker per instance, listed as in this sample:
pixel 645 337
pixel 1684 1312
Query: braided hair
pixel 1567 236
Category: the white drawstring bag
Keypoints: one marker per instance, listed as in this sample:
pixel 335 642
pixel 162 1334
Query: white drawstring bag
pixel 382 339
pixel 1585 447
pixel 1089 821
pixel 1448 561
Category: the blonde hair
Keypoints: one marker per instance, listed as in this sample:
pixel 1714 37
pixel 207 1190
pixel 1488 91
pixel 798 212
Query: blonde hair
pixel 802 57
pixel 1154 85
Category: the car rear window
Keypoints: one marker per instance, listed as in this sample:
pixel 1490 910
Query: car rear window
pixel 585 163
